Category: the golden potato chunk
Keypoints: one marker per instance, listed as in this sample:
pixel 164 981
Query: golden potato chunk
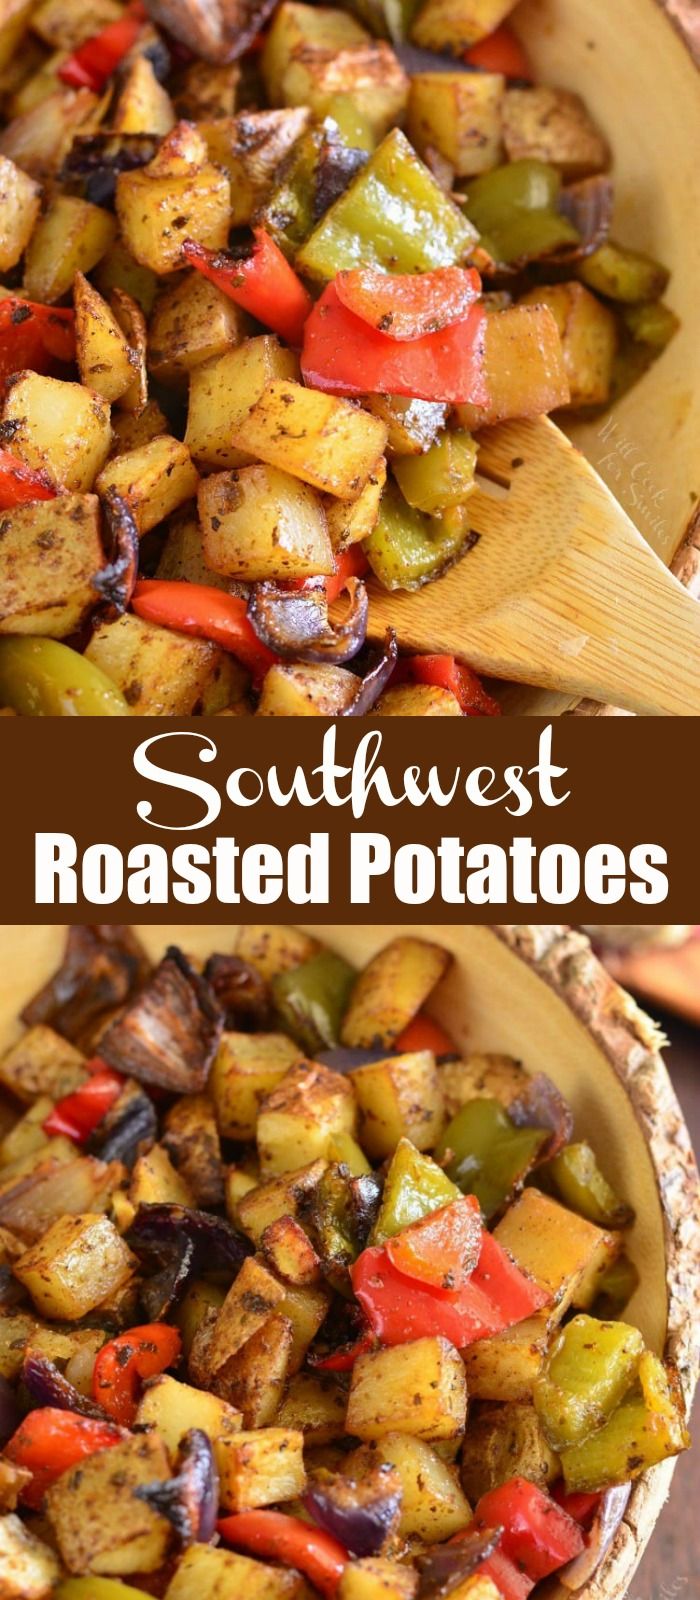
pixel 222 392
pixel 307 692
pixel 50 552
pixel 416 1388
pixel 298 29
pixel 524 364
pixel 42 1062
pixel 179 195
pixel 589 339
pixel 453 25
pixel 249 148
pixel 433 1506
pixel 191 322
pixel 246 1068
pixel 417 700
pixel 399 1098
pixel 331 444
pixel 259 522
pixel 80 1262
pixel 154 479
pixel 263 1468
pixel 563 1252
pixel 172 1408
pixel 553 125
pixel 28 1568
pixel 162 673
pixel 459 114
pixel 505 1366
pixel 143 105
pixel 20 201
pixel 218 1574
pixel 298 1119
pixel 59 427
pixel 99 1523
pixel 370 74
pixel 350 521
pixel 391 989
pixel 71 237
pixel 103 355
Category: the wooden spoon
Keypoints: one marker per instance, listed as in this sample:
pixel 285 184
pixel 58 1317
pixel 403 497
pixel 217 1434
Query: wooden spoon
pixel 559 588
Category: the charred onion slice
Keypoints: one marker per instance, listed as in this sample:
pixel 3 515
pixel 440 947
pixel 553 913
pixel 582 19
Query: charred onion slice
pixel 48 1387
pixel 101 968
pixel 217 30
pixel 190 1500
pixel 240 991
pixel 98 159
pixel 607 1519
pixel 296 627
pixel 170 1032
pixel 375 679
pixel 129 1124
pixel 589 206
pixel 542 1106
pixel 115 581
pixel 176 1243
pixel 448 1565
pixel 361 1514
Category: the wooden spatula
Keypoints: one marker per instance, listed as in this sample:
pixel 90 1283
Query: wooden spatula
pixel 559 589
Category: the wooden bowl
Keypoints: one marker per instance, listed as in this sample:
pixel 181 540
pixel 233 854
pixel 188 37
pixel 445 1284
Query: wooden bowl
pixel 538 993
pixel 635 62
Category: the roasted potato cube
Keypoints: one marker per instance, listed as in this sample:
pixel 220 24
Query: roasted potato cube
pixel 103 356
pixel 417 700
pixel 553 125
pixel 155 1181
pixel 416 1388
pixel 563 1252
pixel 119 270
pixel 179 196
pixel 316 1404
pixel 222 391
pixel 65 24
pixel 307 692
pixel 207 90
pixel 459 114
pixel 78 1264
pixel 99 1523
pixel 28 1568
pixel 281 1197
pixel 433 1506
pixel 191 322
pixel 59 427
pixel 370 73
pixel 525 367
pixel 182 555
pixel 143 105
pixel 505 1366
pixel 42 1062
pixel 297 1120
pixel 71 237
pixel 247 1067
pixel 154 479
pixel 249 148
pixel 290 1253
pixel 254 1379
pixel 453 25
pixel 191 1138
pixel 296 28
pixel 274 950
pixel 14 20
pixel 305 1308
pixel 376 1578
pixel 412 425
pixel 172 1408
pixel 20 201
pixel 481 1076
pixel 329 443
pixel 504 1442
pixel 50 552
pixel 391 990
pixel 399 1098
pixel 260 523
pixel 349 521
pixel 589 339
pixel 162 673
pixel 217 1574
pixel 252 1298
pixel 261 1469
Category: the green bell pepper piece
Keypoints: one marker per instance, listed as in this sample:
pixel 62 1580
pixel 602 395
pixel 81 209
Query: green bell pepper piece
pixel 625 275
pixel 615 1288
pixel 590 1368
pixel 353 127
pixel 443 477
pixel 319 165
pixel 577 1179
pixel 646 1428
pixel 407 549
pixel 43 678
pixel 394 215
pixel 652 325
pixel 414 1186
pixel 311 1000
pixel 97 1589
pixel 515 211
pixel 487 1154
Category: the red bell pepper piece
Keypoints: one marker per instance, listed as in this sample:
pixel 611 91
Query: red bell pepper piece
pixel 123 1364
pixel 442 1249
pixel 582 1507
pixel 20 484
pixel 206 613
pixel 30 334
pixel 274 1536
pixel 350 563
pixel 49 1441
pixel 343 1360
pixel 262 282
pixel 77 1114
pixel 342 355
pixel 424 1034
pixel 538 1536
pixel 501 51
pixel 509 1580
pixel 445 672
pixel 94 61
pixel 408 305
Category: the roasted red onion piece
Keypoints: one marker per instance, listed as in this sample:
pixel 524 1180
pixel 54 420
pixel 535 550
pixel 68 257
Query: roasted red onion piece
pixel 170 1032
pixel 101 968
pixel 375 679
pixel 589 206
pixel 176 1243
pixel 296 627
pixel 217 30
pixel 447 1565
pixel 128 1125
pixel 361 1514
pixel 240 991
pixel 607 1519
pixel 98 159
pixel 542 1106
pixel 48 1387
pixel 115 582
pixel 190 1500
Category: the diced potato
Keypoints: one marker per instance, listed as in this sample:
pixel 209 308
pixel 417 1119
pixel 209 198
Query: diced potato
pixel 142 105
pixel 42 1062
pixel 316 1404
pixel 60 428
pixel 162 673
pixel 102 351
pixel 191 322
pixel 589 339
pixel 26 1135
pixel 412 425
pixel 391 990
pixel 563 1252
pixel 78 1264
pixel 261 1469
pixel 454 25
pixel 265 1203
pixel 553 125
pixel 290 1253
pixel 417 700
pixel 252 1298
pixel 99 1523
pixel 132 429
pixel 349 521
pixel 179 195
pixel 260 523
pixel 329 443
pixel 246 1068
pixel 154 479
pixel 207 90
pixel 370 74
pixel 119 270
pixel 505 1366
pixel 182 556
pixel 28 1568
pixel 71 237
pixel 274 950
pixel 56 1188
pixel 216 1574
pixel 377 1578
pixel 14 20
pixel 459 114
pixel 37 86
pixel 296 28
pixel 525 367
pixel 20 201
pixel 132 322
pixel 433 1505
pixel 201 1300
pixel 64 24
pixel 481 1076
pixel 399 1098
pixel 154 1180
pixel 172 1408
pixel 50 551
pixel 299 1117
pixel 305 1308
pixel 504 1442
pixel 417 1388
pixel 249 148
pixel 254 1379
pixel 222 391
pixel 191 1138
pixel 307 692
pixel 39 140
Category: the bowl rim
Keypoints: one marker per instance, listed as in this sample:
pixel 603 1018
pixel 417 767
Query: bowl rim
pixel 631 1042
